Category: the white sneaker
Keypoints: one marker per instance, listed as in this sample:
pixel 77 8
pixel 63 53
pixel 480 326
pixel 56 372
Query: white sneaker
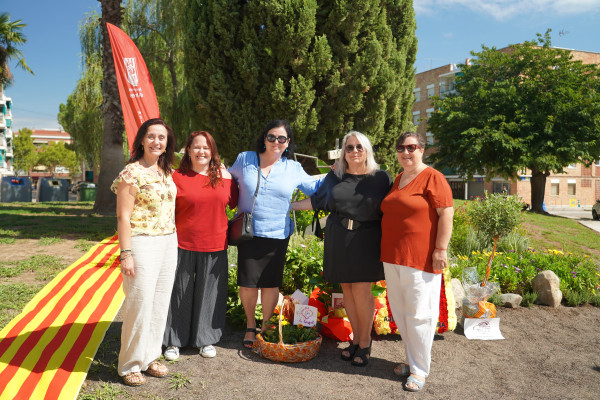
pixel 172 353
pixel 208 351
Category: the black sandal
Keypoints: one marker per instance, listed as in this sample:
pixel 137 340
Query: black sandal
pixel 351 350
pixel 248 344
pixel 364 355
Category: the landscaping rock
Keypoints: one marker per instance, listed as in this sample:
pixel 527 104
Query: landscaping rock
pixel 511 300
pixel 547 285
pixel 458 291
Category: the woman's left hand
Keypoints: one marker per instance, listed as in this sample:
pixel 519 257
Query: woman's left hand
pixel 440 260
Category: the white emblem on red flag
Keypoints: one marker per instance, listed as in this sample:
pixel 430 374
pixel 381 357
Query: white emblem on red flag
pixel 132 76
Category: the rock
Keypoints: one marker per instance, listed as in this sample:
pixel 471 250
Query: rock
pixel 458 291
pixel 511 300
pixel 547 285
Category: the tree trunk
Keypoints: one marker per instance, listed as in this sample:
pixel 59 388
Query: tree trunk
pixel 111 156
pixel 538 187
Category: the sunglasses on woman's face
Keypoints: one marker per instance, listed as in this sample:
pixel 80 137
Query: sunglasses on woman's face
pixel 350 148
pixel 410 147
pixel 281 139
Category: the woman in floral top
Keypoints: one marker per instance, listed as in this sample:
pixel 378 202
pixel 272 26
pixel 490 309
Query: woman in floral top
pixel 146 227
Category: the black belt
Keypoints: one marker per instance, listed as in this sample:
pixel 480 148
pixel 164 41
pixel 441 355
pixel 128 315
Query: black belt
pixel 352 224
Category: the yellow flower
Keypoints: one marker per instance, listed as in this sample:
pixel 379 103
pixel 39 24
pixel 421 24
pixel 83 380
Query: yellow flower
pixel 284 322
pixel 300 326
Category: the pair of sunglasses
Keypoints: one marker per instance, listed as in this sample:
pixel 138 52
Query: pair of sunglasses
pixel 350 148
pixel 281 139
pixel 410 147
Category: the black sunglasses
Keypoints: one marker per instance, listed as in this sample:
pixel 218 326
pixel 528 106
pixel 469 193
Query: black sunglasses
pixel 410 147
pixel 281 139
pixel 350 148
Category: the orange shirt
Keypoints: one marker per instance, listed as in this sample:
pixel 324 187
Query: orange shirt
pixel 410 221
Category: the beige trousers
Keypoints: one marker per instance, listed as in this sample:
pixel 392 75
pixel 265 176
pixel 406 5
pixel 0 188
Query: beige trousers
pixel 147 298
pixel 414 298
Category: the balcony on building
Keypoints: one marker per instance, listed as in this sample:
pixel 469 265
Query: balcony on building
pixel 447 81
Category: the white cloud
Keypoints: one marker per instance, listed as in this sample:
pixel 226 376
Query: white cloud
pixel 506 9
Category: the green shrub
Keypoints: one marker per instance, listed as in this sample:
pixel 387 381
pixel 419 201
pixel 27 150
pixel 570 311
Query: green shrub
pixel 595 300
pixel 514 271
pixel 304 259
pixel 495 214
pixel 576 298
pixel 513 241
pixel 495 300
pixel 528 299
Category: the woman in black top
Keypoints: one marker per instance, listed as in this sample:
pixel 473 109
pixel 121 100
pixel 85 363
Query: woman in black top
pixel 353 195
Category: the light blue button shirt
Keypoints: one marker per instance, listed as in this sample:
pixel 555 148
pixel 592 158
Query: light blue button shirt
pixel 271 217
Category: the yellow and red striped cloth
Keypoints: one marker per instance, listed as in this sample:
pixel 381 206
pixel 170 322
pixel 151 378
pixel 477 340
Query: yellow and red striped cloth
pixel 46 351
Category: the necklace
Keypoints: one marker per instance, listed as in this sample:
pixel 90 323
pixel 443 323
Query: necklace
pixel 146 165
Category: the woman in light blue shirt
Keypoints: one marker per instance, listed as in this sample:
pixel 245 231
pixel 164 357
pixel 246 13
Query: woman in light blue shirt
pixel 261 260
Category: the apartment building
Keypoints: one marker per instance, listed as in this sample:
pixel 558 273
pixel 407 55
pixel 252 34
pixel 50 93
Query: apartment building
pixel 578 186
pixel 6 135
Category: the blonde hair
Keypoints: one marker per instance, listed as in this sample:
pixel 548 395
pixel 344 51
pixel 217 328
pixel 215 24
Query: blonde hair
pixel 341 165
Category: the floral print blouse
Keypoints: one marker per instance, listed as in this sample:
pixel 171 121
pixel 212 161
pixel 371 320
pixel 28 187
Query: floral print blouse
pixel 154 208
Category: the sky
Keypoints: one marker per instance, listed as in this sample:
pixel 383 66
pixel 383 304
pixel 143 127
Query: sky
pixel 447 31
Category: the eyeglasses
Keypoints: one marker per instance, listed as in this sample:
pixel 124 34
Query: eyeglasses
pixel 410 147
pixel 281 139
pixel 350 148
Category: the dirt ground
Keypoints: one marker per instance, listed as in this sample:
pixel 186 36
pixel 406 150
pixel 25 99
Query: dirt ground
pixel 547 354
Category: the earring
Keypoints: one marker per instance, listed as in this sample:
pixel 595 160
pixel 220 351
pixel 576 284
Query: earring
pixel 264 146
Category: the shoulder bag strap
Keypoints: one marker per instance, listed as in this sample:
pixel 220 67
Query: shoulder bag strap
pixel 257 182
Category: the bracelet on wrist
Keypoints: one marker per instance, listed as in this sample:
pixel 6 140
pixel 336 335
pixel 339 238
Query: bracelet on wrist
pixel 438 248
pixel 126 251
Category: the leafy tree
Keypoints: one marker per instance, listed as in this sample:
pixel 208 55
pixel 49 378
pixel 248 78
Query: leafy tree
pixel 81 116
pixel 156 27
pixel 112 159
pixel 11 37
pixel 56 154
pixel 24 151
pixel 532 106
pixel 327 66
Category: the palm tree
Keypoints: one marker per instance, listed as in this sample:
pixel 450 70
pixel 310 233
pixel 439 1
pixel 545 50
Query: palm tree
pixel 10 38
pixel 111 156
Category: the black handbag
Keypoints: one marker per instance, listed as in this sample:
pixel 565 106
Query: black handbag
pixel 239 228
pixel 316 226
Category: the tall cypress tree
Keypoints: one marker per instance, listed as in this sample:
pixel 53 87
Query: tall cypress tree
pixel 327 66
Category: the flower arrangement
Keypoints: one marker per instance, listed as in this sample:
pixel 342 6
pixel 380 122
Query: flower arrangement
pixel 287 342
pixel 291 334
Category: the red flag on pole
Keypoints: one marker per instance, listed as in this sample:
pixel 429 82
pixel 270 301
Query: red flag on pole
pixel 136 91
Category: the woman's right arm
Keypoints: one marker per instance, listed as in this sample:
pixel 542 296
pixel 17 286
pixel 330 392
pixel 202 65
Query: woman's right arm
pixel 125 200
pixel 304 204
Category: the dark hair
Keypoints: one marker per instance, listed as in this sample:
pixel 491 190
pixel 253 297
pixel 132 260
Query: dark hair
pixel 406 135
pixel 276 123
pixel 166 159
pixel 214 167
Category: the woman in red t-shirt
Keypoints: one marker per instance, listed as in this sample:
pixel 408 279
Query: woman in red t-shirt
pixel 199 299
pixel 416 229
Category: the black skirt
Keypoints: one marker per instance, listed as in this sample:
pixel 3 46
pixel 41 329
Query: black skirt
pixel 352 255
pixel 261 261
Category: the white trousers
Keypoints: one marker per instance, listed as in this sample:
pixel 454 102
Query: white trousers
pixel 414 298
pixel 147 298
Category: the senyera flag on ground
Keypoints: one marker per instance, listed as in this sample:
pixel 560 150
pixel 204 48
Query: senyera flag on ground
pixel 46 351
pixel 136 91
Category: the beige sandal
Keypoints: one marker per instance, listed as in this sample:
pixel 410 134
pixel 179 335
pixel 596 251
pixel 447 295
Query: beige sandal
pixel 157 369
pixel 134 379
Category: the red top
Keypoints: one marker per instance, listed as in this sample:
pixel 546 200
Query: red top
pixel 200 215
pixel 410 221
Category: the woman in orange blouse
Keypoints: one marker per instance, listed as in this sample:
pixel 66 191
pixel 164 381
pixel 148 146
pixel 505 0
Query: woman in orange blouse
pixel 416 229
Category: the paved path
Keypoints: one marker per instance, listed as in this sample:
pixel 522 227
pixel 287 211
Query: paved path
pixel 581 215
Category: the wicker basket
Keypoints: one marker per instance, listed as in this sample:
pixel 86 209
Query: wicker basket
pixel 298 352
